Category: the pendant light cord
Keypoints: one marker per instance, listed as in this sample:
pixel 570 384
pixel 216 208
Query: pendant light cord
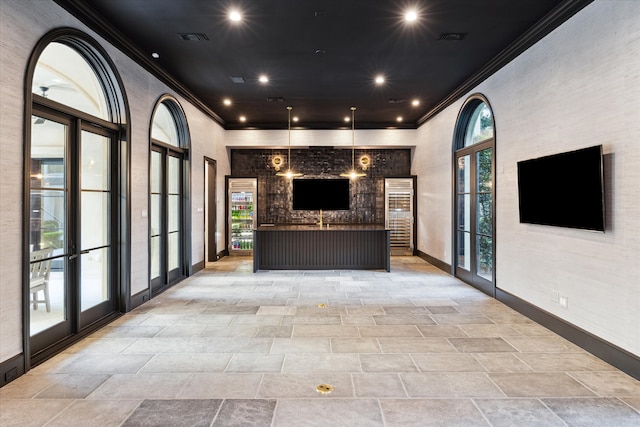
pixel 353 138
pixel 289 108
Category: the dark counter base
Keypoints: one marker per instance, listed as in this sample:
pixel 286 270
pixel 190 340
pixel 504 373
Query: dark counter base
pixel 280 249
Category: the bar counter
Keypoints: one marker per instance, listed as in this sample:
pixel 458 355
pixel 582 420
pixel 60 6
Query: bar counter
pixel 308 247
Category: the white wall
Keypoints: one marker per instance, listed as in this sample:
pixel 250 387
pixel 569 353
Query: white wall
pixel 578 87
pixel 363 138
pixel 22 24
pixel 206 141
pixel 432 164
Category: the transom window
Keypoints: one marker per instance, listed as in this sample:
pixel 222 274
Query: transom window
pixel 64 76
pixel 479 125
pixel 164 127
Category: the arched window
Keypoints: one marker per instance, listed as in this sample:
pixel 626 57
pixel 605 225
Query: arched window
pixel 164 128
pixel 479 128
pixel 169 244
pixel 76 157
pixel 63 75
pixel 474 154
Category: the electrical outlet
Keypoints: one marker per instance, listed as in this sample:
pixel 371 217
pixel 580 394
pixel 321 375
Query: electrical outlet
pixel 555 296
pixel 564 302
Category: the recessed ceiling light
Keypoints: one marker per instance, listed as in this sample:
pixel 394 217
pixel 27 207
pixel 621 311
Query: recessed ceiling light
pixel 235 16
pixel 243 119
pixel 411 16
pixel 415 102
pixel 295 119
pixel 155 55
pixel 226 101
pixel 347 119
pixel 379 80
pixel 263 79
pixel 399 119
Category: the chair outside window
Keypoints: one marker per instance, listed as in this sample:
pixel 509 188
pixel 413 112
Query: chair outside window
pixel 40 268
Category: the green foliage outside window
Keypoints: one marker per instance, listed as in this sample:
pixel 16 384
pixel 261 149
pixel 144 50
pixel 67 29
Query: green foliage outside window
pixel 484 209
pixel 51 235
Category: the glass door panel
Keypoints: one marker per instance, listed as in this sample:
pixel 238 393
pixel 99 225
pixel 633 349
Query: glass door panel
pixel 242 221
pixel 48 226
pixel 95 278
pixel 474 216
pixel 484 214
pixel 242 203
pixel 174 251
pixel 174 208
pixel 400 219
pixel 95 220
pixel 166 206
pixel 464 213
pixel 155 216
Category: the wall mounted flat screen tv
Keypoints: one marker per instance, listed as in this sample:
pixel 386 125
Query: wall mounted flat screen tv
pixel 564 190
pixel 321 194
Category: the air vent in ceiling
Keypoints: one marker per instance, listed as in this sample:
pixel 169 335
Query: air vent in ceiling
pixel 452 37
pixel 198 37
pixel 395 100
pixel 237 79
pixel 275 99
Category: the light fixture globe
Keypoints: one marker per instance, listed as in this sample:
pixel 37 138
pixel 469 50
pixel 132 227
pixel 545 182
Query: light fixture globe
pixel 365 161
pixel 277 162
pixel 353 173
pixel 289 173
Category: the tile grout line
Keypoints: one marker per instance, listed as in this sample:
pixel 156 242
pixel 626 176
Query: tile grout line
pixel 484 416
pixel 552 411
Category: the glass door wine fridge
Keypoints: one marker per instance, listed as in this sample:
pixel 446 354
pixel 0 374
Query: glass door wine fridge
pixel 242 213
pixel 398 203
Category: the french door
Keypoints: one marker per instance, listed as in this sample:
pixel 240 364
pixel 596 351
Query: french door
pixel 474 241
pixel 166 217
pixel 71 231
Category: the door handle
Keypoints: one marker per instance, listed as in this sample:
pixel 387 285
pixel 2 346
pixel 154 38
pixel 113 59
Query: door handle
pixel 74 256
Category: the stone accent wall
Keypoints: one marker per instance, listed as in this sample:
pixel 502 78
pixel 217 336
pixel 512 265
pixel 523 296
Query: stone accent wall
pixel 275 192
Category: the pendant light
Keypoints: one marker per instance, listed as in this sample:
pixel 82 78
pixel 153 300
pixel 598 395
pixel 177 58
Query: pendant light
pixel 289 173
pixel 353 173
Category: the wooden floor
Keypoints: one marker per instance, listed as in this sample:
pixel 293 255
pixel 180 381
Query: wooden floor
pixel 413 347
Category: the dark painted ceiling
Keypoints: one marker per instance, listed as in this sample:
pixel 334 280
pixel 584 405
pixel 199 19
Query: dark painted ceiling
pixel 321 56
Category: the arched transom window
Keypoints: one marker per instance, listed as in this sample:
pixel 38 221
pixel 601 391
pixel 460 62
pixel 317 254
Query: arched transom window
pixel 65 76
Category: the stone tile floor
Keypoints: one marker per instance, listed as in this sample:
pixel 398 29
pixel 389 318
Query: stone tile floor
pixel 414 347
